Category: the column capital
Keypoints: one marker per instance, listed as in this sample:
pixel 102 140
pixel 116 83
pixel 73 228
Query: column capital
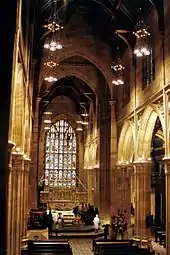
pixel 142 163
pixel 167 165
pixel 27 163
pixel 17 161
pixel 38 99
pixel 112 102
pixel 166 160
pixel 18 155
pixel 10 147
pixel 142 167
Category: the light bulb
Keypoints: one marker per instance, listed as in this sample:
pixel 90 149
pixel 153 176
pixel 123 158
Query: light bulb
pixel 46 46
pixel 53 44
pixel 59 46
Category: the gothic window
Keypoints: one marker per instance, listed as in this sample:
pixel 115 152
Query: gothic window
pixel 148 66
pixel 60 159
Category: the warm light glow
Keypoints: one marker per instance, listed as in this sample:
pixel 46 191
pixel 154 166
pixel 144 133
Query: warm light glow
pixel 50 63
pixel 118 73
pixel 79 121
pixel 141 32
pixel 84 114
pixel 18 149
pixel 85 123
pixel 50 79
pixel 48 113
pixel 117 67
pixel 59 46
pixel 117 81
pixel 141 48
pixel 53 45
pixel 47 121
pixel 53 26
pixel 46 128
pixel 79 129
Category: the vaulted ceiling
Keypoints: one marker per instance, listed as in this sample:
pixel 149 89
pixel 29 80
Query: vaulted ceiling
pixel 112 21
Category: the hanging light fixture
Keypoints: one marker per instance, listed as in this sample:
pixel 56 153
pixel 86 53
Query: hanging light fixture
pixel 53 43
pixel 118 70
pixel 50 78
pixel 141 33
pixel 47 119
pixel 54 23
pixel 50 61
pixel 79 129
pixel 54 26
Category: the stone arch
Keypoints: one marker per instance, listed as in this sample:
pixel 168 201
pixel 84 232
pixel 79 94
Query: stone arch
pixel 146 131
pixel 19 109
pixel 126 144
pixel 81 51
pixel 61 73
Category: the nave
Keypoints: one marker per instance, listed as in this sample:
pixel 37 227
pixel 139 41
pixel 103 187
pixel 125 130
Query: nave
pixel 85 113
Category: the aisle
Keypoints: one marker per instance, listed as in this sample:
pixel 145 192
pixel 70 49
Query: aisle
pixel 81 246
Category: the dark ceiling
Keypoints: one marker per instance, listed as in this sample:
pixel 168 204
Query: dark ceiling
pixel 103 18
pixel 77 90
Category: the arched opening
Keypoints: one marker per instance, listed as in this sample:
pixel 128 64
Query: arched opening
pixel 158 176
pixel 60 156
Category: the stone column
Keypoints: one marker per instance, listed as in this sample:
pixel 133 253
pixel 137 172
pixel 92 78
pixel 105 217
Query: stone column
pixel 113 154
pixel 143 197
pixel 104 168
pixel 17 168
pixel 34 159
pixel 167 183
pixel 9 237
pixel 104 186
pixel 25 201
pixel 122 189
pixel 89 179
pixel 8 16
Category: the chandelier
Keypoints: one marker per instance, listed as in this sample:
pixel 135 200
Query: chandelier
pixel 54 23
pixel 53 43
pixel 118 70
pixel 47 120
pixel 54 26
pixel 141 47
pixel 50 62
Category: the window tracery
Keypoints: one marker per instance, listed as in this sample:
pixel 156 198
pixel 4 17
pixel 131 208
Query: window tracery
pixel 60 157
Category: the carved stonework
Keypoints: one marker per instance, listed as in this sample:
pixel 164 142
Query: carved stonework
pixel 63 199
pixel 160 106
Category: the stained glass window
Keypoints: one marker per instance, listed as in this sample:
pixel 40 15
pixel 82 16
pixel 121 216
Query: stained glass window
pixel 60 159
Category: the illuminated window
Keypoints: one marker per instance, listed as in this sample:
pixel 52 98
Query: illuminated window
pixel 60 159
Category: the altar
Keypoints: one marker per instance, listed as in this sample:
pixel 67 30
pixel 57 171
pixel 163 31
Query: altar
pixel 63 199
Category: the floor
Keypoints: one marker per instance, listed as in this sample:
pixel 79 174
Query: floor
pixel 83 245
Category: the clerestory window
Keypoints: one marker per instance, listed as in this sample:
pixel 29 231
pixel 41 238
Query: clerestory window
pixel 60 158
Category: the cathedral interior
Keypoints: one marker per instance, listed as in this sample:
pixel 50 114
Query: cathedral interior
pixel 85 111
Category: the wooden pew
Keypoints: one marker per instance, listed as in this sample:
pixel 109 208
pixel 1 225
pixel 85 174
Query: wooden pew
pixel 121 247
pixel 48 247
pixel 109 243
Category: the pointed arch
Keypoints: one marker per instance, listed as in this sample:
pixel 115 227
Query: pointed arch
pixel 126 143
pixel 146 128
pixel 61 73
pixel 87 55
